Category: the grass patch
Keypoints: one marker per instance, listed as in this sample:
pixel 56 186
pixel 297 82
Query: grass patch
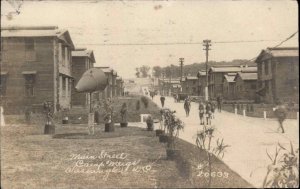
pixel 32 160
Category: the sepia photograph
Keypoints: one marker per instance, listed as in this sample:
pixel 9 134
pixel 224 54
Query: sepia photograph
pixel 149 94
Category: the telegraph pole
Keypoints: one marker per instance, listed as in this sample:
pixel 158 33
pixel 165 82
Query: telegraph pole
pixel 181 67
pixel 163 87
pixel 206 44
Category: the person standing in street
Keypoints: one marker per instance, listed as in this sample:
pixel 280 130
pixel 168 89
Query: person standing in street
pixel 162 101
pixel 208 113
pixel 187 106
pixel 219 102
pixel 280 113
pixel 201 112
pixel 213 107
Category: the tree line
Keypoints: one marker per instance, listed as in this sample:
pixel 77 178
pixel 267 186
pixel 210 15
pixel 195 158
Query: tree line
pixel 191 69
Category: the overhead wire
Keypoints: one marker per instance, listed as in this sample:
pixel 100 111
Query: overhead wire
pixel 279 44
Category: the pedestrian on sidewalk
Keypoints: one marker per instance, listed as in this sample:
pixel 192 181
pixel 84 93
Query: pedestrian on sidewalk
pixel 201 112
pixel 280 113
pixel 187 106
pixel 208 113
pixel 213 107
pixel 219 102
pixel 162 101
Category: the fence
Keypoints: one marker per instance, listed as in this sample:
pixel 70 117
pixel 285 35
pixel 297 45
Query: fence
pixel 260 110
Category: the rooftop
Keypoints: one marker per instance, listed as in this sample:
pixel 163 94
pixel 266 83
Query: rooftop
pixel 234 69
pixel 279 52
pixel 202 73
pixel 230 78
pixel 248 76
pixel 84 53
pixel 37 31
pixel 191 78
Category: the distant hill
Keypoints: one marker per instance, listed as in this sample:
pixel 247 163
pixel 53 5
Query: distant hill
pixel 192 69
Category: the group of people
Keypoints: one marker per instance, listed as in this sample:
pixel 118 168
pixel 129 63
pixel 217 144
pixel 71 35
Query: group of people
pixel 206 112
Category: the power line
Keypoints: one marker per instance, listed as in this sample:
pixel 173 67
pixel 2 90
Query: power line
pixel 171 43
pixel 279 44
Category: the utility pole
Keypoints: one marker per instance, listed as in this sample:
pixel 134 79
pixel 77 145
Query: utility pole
pixel 206 44
pixel 163 87
pixel 181 71
pixel 181 67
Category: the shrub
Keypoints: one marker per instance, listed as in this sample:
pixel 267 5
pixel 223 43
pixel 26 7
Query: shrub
pixel 138 105
pixel 145 101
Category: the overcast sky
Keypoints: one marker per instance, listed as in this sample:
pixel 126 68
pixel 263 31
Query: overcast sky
pixel 94 23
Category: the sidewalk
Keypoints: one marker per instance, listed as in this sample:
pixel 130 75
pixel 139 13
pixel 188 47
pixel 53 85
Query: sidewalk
pixel 248 138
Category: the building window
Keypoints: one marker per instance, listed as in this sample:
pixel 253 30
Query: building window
pixel 267 67
pixel 267 86
pixel 63 54
pixel 29 85
pixel 64 91
pixel 259 68
pixel 66 57
pixel 292 67
pixel 29 44
pixel 2 85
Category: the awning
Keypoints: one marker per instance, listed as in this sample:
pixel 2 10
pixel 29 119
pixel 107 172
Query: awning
pixel 65 75
pixel 29 72
pixel 4 73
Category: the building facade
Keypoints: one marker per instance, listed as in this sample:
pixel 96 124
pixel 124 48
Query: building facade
pixel 229 86
pixel 201 75
pixel 82 60
pixel 190 85
pixel 216 77
pixel 35 67
pixel 245 86
pixel 120 86
pixel 278 74
pixel 110 91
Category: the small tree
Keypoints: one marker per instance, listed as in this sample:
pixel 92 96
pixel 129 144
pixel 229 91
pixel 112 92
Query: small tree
pixel 283 172
pixel 109 115
pixel 123 113
pixel 173 126
pixel 203 141
pixel 138 105
pixel 145 101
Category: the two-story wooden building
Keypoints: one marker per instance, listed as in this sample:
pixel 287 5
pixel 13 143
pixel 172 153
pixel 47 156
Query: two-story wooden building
pixel 278 74
pixel 120 86
pixel 229 86
pixel 189 85
pixel 201 75
pixel 35 67
pixel 110 91
pixel 245 86
pixel 82 60
pixel 216 77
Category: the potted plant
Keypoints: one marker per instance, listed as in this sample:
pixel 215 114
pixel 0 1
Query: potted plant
pixel 149 122
pixel 65 119
pixel 160 131
pixel 108 117
pixel 163 138
pixel 173 126
pixel 124 122
pixel 49 126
